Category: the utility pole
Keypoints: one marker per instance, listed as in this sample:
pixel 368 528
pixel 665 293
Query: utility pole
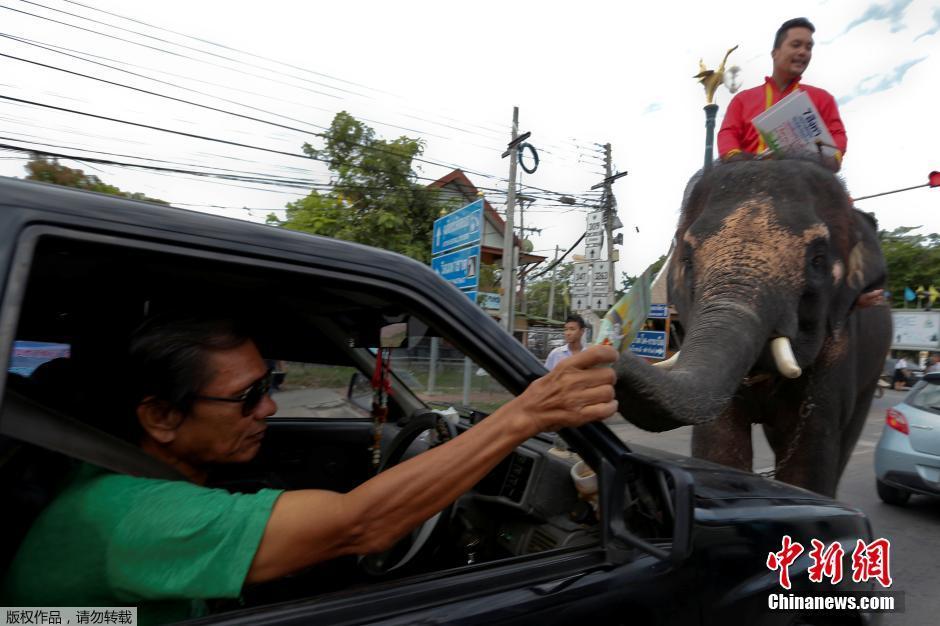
pixel 551 287
pixel 609 220
pixel 506 305
pixel 609 215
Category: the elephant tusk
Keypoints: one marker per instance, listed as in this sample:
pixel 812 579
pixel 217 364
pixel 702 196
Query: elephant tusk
pixel 668 363
pixel 783 357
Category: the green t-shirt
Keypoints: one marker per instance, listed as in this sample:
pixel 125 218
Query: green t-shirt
pixel 116 540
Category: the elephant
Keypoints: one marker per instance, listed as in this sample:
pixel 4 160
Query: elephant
pixel 768 262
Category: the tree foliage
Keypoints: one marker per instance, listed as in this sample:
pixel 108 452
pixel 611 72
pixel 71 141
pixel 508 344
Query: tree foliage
pixel 913 260
pixel 51 171
pixel 626 281
pixel 374 198
pixel 537 292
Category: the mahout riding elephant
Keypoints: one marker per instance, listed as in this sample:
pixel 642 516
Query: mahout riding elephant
pixel 770 258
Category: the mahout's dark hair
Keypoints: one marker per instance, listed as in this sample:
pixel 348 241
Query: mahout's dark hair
pixel 577 319
pixel 796 22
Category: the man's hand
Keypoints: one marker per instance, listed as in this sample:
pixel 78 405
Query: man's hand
pixel 870 298
pixel 579 390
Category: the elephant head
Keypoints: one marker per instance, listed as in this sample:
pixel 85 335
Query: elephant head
pixel 769 258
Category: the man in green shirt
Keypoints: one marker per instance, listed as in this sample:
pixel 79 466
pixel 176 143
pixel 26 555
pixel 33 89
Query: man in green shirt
pixel 202 399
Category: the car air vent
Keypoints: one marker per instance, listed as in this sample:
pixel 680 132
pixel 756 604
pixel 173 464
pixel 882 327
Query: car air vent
pixel 541 541
pixel 517 477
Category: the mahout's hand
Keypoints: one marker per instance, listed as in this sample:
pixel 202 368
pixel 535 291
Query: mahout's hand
pixel 579 390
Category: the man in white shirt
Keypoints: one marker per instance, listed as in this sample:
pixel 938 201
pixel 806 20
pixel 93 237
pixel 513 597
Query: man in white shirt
pixel 902 375
pixel 574 331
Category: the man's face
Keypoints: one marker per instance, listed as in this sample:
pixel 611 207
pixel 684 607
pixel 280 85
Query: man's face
pixel 793 56
pixel 216 431
pixel 573 333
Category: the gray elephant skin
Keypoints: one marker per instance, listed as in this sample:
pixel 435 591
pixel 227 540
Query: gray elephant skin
pixel 767 250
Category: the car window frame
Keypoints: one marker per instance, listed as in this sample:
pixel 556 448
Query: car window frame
pixel 28 238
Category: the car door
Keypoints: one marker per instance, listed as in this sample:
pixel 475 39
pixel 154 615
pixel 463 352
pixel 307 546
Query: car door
pixel 88 282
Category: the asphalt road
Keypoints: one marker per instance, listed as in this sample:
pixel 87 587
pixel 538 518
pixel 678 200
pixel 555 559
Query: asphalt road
pixel 914 530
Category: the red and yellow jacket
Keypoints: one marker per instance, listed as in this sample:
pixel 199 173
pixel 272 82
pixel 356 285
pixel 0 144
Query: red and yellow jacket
pixel 737 134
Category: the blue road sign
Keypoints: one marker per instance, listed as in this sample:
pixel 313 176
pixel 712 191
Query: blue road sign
pixel 659 311
pixel 650 343
pixel 460 268
pixel 463 227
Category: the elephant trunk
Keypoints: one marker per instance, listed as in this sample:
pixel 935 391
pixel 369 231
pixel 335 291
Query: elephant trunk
pixel 718 352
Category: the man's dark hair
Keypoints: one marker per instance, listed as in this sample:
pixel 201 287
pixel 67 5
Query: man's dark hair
pixel 577 319
pixel 796 22
pixel 169 357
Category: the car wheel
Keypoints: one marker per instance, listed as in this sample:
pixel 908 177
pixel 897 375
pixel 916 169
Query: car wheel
pixel 892 495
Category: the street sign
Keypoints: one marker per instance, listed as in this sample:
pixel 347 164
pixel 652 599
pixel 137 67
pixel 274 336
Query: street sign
pixel 489 301
pixel 659 311
pixel 600 302
pixel 581 274
pixel 580 303
pixel 595 223
pixel 600 276
pixel 459 268
pixel 463 227
pixel 650 343
pixel 579 291
pixel 594 236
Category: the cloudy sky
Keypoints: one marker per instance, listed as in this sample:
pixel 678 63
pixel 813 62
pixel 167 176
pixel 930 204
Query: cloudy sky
pixel 582 74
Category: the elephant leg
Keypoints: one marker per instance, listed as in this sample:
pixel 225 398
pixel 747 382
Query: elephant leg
pixel 725 440
pixel 853 428
pixel 807 450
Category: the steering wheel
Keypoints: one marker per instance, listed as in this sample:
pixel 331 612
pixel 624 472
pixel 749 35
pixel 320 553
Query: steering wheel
pixel 420 540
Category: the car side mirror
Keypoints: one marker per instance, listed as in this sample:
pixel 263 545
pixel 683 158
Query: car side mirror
pixel 359 392
pixel 650 505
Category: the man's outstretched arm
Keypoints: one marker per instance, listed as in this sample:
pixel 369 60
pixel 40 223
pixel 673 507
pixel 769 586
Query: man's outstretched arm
pixel 310 526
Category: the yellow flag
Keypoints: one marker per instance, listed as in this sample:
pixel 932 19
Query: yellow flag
pixel 933 294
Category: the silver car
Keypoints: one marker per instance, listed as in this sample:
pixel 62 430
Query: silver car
pixel 907 458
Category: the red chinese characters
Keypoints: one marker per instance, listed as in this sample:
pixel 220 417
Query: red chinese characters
pixel 826 562
pixel 869 561
pixel 784 558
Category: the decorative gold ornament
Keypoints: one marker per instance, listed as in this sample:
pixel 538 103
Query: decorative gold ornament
pixel 711 79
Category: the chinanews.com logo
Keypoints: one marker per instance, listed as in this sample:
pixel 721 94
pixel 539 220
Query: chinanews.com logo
pixel 870 562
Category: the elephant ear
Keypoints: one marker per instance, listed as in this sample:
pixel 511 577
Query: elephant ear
pixel 861 270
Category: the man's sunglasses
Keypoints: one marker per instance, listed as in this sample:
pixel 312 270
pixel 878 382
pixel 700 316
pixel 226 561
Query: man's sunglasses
pixel 251 397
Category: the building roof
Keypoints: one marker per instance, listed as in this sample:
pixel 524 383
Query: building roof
pixel 457 181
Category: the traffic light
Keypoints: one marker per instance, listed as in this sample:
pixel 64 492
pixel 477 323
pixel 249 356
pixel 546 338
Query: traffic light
pixel 934 179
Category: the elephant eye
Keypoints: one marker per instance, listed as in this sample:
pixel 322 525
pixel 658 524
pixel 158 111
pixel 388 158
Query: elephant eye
pixel 819 261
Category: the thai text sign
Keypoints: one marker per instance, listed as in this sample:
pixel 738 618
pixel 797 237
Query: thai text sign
pixel 463 227
pixel 650 343
pixel 460 268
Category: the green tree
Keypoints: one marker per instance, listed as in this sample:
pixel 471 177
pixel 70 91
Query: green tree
pixel 51 171
pixel 626 281
pixel 375 198
pixel 913 260
pixel 538 290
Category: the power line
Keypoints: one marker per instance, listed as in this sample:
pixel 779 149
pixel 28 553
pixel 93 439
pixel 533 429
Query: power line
pixel 136 43
pixel 227 58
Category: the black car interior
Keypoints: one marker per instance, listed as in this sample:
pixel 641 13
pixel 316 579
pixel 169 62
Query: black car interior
pixel 91 295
